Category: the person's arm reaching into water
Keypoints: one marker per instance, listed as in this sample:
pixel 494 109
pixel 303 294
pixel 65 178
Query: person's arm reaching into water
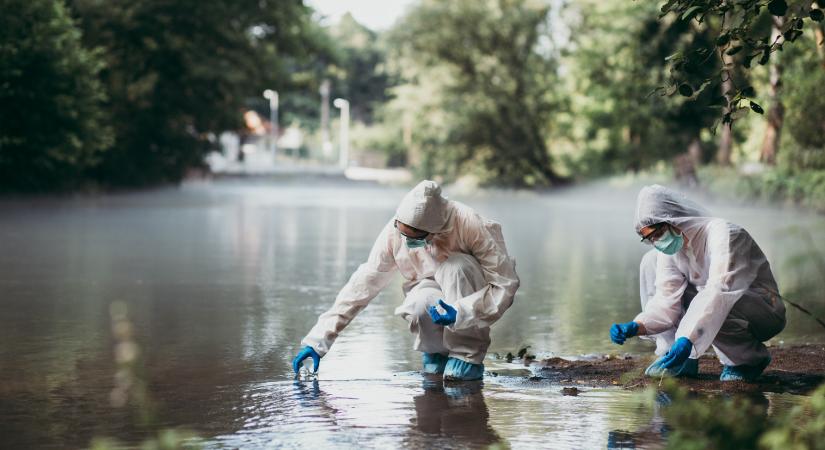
pixel 367 281
pixel 665 307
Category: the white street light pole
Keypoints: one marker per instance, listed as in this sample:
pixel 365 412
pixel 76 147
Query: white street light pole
pixel 343 139
pixel 272 96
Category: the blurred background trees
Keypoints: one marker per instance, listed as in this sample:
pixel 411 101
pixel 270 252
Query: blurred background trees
pixel 52 122
pixel 506 92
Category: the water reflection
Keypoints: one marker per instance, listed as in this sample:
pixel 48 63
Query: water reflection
pixel 651 436
pixel 453 410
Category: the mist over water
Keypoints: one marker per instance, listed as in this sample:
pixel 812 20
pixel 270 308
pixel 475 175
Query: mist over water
pixel 223 279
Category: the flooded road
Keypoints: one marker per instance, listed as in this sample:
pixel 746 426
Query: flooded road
pixel 222 280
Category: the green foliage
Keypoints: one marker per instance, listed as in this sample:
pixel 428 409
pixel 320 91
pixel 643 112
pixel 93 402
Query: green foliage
pixel 741 35
pixel 737 422
pixel 479 88
pixel 381 139
pixel 618 61
pixel 804 97
pixel 361 75
pixel 802 428
pixel 805 188
pixel 717 423
pixel 178 73
pixel 52 125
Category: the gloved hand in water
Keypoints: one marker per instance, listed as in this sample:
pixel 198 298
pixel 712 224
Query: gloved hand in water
pixel 445 319
pixel 305 353
pixel 619 332
pixel 673 359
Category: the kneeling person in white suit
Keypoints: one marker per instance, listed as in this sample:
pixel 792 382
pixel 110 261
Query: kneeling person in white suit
pixel 451 258
pixel 707 283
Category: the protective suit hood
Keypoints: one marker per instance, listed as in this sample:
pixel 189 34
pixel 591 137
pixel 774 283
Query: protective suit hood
pixel 657 204
pixel 425 208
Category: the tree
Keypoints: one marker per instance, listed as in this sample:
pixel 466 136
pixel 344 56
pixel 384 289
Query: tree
pixel 490 69
pixel 620 119
pixel 361 75
pixel 776 109
pixel 52 125
pixel 740 35
pixel 179 72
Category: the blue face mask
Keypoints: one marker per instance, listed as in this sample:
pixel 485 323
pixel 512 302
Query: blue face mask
pixel 669 243
pixel 415 243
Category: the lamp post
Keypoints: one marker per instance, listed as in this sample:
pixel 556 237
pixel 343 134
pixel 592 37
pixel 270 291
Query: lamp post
pixel 272 96
pixel 326 146
pixel 343 139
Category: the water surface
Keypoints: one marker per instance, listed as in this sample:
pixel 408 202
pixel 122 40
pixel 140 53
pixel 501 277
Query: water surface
pixel 221 281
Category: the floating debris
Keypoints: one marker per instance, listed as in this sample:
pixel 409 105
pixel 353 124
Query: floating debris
pixel 571 391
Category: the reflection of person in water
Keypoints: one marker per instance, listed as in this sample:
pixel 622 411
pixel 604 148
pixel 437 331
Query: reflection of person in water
pixel 309 394
pixel 653 435
pixel 455 411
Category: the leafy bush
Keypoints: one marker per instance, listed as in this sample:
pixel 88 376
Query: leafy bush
pixel 52 125
pixel 737 422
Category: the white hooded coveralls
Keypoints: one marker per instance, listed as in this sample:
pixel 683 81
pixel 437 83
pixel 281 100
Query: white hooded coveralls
pixel 466 264
pixel 717 290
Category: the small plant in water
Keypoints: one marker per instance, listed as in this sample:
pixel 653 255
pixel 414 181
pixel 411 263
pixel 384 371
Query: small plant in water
pixel 740 422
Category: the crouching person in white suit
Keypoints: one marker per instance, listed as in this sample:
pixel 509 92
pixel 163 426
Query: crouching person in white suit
pixel 459 281
pixel 706 284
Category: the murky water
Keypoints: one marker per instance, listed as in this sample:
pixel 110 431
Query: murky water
pixel 222 280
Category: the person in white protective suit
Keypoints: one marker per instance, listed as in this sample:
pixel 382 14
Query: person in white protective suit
pixel 706 283
pixel 450 257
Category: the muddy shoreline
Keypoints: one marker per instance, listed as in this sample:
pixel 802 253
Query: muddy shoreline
pixel 796 369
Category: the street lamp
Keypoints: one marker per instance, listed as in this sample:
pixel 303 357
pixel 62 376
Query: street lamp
pixel 343 156
pixel 272 96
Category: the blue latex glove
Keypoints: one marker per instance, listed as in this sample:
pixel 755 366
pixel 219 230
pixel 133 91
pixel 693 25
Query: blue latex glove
pixel 305 353
pixel 443 319
pixel 619 332
pixel 676 356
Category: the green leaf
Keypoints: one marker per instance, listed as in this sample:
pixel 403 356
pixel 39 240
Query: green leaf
pixel 817 15
pixel 778 7
pixel 685 90
pixel 691 12
pixel 666 7
pixel 756 108
pixel 674 56
pixel 734 50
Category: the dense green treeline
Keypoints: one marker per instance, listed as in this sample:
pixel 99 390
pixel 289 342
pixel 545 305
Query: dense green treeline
pixel 524 93
pixel 131 93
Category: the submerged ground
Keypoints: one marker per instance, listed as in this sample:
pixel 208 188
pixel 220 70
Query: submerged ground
pixel 796 369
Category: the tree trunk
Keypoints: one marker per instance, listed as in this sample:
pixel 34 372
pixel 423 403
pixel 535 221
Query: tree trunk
pixel 695 151
pixel 776 111
pixel 819 37
pixel 725 147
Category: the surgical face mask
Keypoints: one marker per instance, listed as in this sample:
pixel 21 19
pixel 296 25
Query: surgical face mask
pixel 669 243
pixel 415 243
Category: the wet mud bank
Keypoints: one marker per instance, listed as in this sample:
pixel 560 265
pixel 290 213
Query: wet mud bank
pixel 795 369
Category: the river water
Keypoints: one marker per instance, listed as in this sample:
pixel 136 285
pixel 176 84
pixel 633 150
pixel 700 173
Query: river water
pixel 221 280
